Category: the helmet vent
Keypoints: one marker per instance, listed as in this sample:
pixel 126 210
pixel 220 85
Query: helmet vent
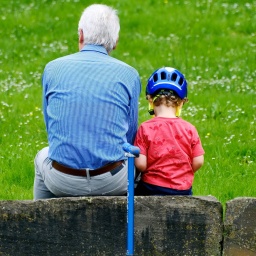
pixel 180 81
pixel 174 77
pixel 163 76
pixel 155 77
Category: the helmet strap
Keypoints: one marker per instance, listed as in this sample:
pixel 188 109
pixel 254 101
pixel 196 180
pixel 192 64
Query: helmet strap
pixel 151 108
pixel 155 98
pixel 178 111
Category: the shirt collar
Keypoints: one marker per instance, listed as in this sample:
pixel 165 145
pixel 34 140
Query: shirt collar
pixel 95 48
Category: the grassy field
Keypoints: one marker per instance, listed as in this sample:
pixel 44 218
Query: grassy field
pixel 211 42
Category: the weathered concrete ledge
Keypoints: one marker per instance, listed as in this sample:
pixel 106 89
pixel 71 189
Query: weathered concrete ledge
pixel 97 226
pixel 240 227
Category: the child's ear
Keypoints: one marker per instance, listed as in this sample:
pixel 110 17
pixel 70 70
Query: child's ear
pixel 149 99
pixel 185 100
pixel 181 103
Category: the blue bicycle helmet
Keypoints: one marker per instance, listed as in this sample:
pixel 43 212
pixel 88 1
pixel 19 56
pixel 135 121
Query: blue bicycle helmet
pixel 167 78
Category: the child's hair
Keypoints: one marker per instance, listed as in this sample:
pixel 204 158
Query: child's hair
pixel 166 97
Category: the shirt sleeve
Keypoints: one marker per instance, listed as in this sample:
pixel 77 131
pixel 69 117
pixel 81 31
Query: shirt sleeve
pixel 197 148
pixel 44 100
pixel 133 114
pixel 140 141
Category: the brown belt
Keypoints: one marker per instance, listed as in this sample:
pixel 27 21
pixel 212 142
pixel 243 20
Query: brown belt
pixel 82 172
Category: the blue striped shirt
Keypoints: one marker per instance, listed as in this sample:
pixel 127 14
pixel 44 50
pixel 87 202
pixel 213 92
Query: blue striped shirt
pixel 90 104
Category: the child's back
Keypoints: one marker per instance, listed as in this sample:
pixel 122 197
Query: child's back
pixel 170 147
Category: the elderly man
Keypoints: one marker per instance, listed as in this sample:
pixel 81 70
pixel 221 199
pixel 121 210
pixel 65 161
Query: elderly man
pixel 90 105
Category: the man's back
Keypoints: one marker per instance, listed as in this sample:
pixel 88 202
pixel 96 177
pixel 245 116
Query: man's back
pixel 92 108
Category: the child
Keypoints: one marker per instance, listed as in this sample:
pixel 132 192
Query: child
pixel 170 147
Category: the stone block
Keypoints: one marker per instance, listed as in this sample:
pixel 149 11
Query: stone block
pixel 240 227
pixel 178 226
pixel 97 226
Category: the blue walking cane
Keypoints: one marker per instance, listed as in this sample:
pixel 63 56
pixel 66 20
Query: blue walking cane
pixel 131 153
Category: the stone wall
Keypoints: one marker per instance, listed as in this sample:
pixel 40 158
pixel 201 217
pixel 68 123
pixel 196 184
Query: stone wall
pixel 98 225
pixel 240 227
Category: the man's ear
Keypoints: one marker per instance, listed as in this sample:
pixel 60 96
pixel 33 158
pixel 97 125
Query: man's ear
pixel 81 39
pixel 115 45
pixel 81 36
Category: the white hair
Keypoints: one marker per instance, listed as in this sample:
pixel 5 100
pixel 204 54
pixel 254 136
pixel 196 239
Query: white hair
pixel 100 26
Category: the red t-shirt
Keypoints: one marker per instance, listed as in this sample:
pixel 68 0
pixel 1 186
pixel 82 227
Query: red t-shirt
pixel 170 144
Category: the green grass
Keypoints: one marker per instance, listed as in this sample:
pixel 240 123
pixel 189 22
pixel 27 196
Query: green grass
pixel 211 42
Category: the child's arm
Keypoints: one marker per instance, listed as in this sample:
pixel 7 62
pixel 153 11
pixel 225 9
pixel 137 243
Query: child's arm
pixel 141 163
pixel 197 162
